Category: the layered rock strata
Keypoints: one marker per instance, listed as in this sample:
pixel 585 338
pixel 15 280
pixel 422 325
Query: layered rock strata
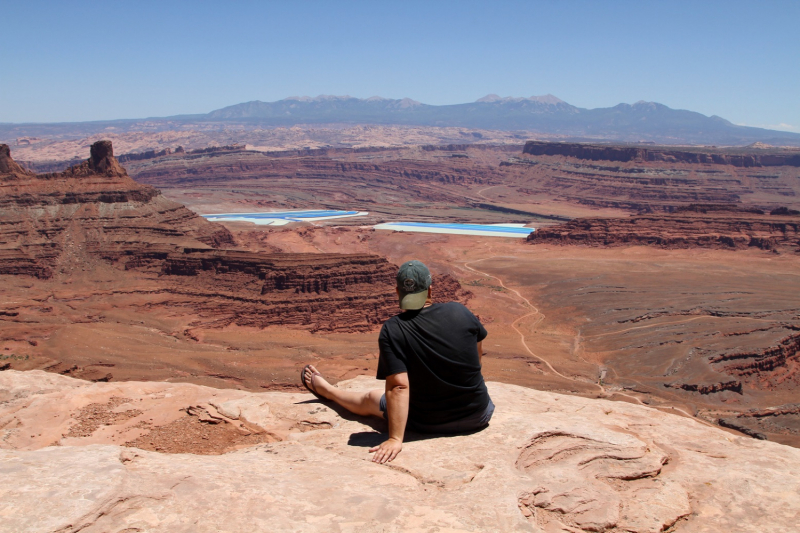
pixel 654 179
pixel 480 179
pixel 639 154
pixel 49 220
pixel 321 292
pixel 93 215
pixel 758 423
pixel 152 457
pixel 705 228
pixel 771 367
pixel 339 179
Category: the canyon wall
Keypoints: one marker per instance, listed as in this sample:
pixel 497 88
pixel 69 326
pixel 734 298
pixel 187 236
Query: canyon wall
pixel 705 228
pixel 94 216
pixel 320 292
pixel 59 220
pixel 474 182
pixel 640 154
pixel 199 171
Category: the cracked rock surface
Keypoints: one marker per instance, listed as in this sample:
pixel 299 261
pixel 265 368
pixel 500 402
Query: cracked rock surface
pixel 73 458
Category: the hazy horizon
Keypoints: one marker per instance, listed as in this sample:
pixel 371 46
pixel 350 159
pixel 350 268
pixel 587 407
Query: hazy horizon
pixel 90 61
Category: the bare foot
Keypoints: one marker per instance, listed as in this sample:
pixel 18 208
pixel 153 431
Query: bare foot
pixel 315 383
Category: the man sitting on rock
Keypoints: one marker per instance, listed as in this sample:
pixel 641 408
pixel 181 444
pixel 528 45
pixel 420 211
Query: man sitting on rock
pixel 430 357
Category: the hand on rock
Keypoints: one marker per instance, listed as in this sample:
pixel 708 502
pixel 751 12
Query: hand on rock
pixel 386 451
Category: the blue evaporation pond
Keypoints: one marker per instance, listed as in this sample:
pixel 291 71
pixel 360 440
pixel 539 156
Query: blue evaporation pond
pixel 285 215
pixel 474 227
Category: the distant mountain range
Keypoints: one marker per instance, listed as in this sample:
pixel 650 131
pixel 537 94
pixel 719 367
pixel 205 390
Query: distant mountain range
pixel 545 115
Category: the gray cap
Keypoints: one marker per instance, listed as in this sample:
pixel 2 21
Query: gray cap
pixel 413 280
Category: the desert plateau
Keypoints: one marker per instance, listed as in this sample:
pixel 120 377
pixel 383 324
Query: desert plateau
pixel 400 267
pixel 658 284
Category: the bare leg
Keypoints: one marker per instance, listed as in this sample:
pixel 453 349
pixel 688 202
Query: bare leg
pixel 360 403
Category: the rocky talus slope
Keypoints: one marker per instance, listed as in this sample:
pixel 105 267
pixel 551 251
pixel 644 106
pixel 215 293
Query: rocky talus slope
pixel 172 457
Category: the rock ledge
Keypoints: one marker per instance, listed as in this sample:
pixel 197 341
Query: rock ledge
pixel 547 463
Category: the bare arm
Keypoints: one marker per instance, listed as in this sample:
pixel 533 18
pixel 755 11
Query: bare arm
pixel 397 396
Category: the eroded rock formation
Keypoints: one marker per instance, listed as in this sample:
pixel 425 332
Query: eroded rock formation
pixel 170 456
pixel 321 292
pixel 633 153
pixel 759 422
pixel 656 179
pixel 735 386
pixel 774 366
pixel 60 220
pixel 481 178
pixel 8 165
pixel 706 228
pixel 336 179
pixel 93 215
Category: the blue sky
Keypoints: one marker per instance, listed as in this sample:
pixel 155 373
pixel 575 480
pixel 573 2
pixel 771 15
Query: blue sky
pixel 72 61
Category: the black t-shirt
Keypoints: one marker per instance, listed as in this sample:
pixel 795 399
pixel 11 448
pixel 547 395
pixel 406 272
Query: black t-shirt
pixel 438 347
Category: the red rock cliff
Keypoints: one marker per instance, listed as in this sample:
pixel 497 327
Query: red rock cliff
pixel 93 215
pixel 627 153
pixel 706 228
pixel 91 206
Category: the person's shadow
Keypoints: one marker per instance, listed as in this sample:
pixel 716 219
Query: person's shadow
pixel 380 428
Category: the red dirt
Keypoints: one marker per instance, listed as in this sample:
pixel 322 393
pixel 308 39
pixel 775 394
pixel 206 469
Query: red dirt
pixel 95 415
pixel 189 434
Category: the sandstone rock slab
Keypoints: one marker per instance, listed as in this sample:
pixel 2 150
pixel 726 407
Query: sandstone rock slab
pixel 547 463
